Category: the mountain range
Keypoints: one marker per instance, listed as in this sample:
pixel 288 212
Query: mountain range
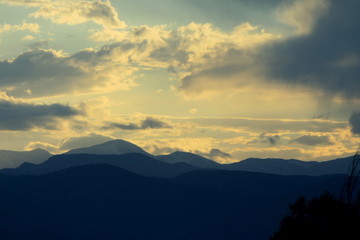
pixel 142 162
pixel 116 190
pixel 106 202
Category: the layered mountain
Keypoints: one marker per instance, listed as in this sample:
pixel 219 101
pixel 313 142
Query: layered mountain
pixel 12 159
pixel 114 147
pixel 131 157
pixel 269 165
pixel 190 158
pixel 134 162
pixel 292 166
pixel 116 190
pixel 106 202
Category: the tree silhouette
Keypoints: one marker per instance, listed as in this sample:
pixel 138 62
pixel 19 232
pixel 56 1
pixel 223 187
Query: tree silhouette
pixel 322 218
pixel 350 186
pixel 326 217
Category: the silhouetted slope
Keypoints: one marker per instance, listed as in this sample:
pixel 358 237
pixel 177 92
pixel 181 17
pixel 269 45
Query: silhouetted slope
pixel 274 166
pixel 104 202
pixel 292 166
pixel 262 198
pixel 12 159
pixel 135 162
pixel 114 147
pixel 189 158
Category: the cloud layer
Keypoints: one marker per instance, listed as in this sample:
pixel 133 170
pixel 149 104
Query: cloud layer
pixel 313 140
pixel 19 116
pixel 73 12
pixel 50 72
pixel 147 123
pixel 327 59
pixel 354 122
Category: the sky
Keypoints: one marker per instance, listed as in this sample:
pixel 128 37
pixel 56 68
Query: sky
pixel 228 80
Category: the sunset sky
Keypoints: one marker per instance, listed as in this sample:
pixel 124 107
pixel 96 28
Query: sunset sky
pixel 227 79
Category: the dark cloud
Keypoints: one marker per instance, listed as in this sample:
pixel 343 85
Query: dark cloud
pixel 325 116
pixel 354 122
pixel 272 140
pixel 313 140
pixel 41 44
pixel 43 72
pixel 323 54
pixel 25 116
pixel 328 58
pixel 40 72
pixel 147 123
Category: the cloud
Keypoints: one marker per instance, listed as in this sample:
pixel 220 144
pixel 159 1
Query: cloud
pixel 217 155
pixel 227 61
pixel 147 123
pixel 40 44
pixel 160 146
pixel 73 11
pixel 83 141
pixel 257 152
pixel 46 146
pixel 21 116
pixel 271 125
pixel 354 122
pixel 327 59
pixel 31 27
pixel 70 143
pixel 50 72
pixel 313 140
pixel 189 50
pixel 272 140
pixel 302 14
pixel 322 57
pixel 28 38
pixel 192 53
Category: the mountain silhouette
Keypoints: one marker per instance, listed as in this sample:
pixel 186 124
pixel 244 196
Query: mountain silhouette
pixel 270 165
pixel 262 198
pixel 135 162
pixel 12 159
pixel 105 202
pixel 142 162
pixel 114 147
pixel 190 158
pixel 292 166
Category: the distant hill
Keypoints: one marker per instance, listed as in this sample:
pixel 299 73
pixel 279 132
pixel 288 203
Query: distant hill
pixel 12 159
pixel 292 166
pixel 190 158
pixel 105 202
pixel 114 147
pixel 269 165
pixel 135 162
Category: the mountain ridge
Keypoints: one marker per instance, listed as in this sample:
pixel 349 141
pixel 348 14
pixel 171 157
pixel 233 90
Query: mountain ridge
pixel 190 158
pixel 187 160
pixel 134 162
pixel 112 147
pixel 12 159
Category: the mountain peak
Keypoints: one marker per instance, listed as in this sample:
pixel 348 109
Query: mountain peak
pixel 187 157
pixel 115 147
